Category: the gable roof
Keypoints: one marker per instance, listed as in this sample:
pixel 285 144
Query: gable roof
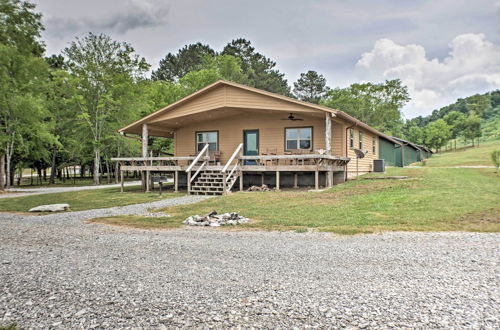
pixel 275 96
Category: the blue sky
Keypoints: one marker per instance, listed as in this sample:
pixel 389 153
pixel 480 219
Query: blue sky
pixel 442 50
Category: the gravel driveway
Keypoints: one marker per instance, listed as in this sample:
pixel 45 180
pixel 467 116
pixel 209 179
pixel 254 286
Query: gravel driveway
pixel 58 271
pixel 19 192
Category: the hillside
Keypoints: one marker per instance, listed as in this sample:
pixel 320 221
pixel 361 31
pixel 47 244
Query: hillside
pixel 471 156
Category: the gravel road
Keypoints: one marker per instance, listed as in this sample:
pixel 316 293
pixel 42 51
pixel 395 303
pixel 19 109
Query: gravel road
pixel 57 271
pixel 49 190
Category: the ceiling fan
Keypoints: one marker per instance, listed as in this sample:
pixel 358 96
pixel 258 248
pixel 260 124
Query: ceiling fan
pixel 291 117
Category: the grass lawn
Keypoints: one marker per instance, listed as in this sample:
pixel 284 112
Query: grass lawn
pixel 431 199
pixel 471 156
pixel 26 182
pixel 84 200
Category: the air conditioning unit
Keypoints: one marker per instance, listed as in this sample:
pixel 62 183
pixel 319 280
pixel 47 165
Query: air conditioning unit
pixel 379 165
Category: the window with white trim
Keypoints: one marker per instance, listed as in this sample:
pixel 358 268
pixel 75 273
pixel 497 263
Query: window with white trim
pixel 298 138
pixel 351 138
pixel 203 138
pixel 374 145
pixel 360 140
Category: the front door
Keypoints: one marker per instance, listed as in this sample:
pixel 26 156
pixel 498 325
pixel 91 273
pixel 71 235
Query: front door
pixel 251 145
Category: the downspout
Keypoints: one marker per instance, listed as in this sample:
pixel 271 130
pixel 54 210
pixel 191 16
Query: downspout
pixel 346 148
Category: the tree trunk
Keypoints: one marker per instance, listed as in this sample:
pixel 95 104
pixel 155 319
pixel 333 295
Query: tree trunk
pixel 97 160
pixel 2 172
pixel 108 172
pixel 53 166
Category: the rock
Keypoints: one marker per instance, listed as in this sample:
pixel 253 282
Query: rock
pixel 50 208
pixel 213 219
pixel 259 188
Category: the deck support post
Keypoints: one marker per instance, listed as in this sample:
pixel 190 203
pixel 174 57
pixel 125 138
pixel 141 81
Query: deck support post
pixel 145 174
pixel 328 145
pixel 277 180
pixel 295 180
pixel 261 179
pixel 121 180
pixel 224 184
pixel 241 180
pixel 189 182
pixel 176 181
pixel 316 180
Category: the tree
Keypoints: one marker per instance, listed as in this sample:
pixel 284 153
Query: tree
pixel 21 27
pixel 260 70
pixel 416 135
pixel 22 77
pixel 189 58
pixel 378 105
pixel 437 134
pixel 479 104
pixel 456 121
pixel 310 87
pixel 104 69
pixel 472 128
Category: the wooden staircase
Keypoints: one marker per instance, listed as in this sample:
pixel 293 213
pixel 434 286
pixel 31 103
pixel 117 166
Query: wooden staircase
pixel 211 182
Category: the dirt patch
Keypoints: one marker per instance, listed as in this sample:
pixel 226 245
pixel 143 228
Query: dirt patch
pixel 490 216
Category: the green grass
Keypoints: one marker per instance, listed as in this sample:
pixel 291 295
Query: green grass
pixel 431 199
pixel 466 157
pixel 84 200
pixel 76 182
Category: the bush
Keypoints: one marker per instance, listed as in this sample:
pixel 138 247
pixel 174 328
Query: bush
pixel 495 158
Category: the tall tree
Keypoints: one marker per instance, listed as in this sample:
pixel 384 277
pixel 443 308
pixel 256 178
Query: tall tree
pixel 259 69
pixel 102 68
pixel 456 121
pixel 472 127
pixel 22 76
pixel 310 87
pixel 378 105
pixel 189 58
pixel 437 134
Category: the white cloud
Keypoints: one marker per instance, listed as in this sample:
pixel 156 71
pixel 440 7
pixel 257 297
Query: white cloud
pixel 130 15
pixel 472 66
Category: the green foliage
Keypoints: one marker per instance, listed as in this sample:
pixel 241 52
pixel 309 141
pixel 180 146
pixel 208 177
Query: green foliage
pixel 23 73
pixel 437 134
pixel 310 87
pixel 378 105
pixel 106 73
pixel 21 27
pixel 495 158
pixel 472 127
pixel 260 70
pixel 189 58
pixel 417 135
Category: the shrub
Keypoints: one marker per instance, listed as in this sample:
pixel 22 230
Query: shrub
pixel 495 158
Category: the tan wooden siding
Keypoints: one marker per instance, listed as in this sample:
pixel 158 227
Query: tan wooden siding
pixel 211 100
pixel 240 98
pixel 271 132
pixel 366 163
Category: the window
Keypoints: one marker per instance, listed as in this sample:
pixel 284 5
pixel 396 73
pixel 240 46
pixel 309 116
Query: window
pixel 374 145
pixel 360 140
pixel 351 138
pixel 298 138
pixel 203 138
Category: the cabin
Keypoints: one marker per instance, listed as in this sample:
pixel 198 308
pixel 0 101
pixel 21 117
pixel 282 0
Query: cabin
pixel 229 136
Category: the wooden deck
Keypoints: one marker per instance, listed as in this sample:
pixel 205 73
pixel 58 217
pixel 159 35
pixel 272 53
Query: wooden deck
pixel 225 176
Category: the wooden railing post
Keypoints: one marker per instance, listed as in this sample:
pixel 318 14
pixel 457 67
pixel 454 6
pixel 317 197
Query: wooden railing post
pixel 224 183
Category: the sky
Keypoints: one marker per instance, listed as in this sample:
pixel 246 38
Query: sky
pixel 441 49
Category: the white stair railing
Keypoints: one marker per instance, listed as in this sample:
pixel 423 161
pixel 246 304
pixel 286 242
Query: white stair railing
pixel 227 177
pixel 195 161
